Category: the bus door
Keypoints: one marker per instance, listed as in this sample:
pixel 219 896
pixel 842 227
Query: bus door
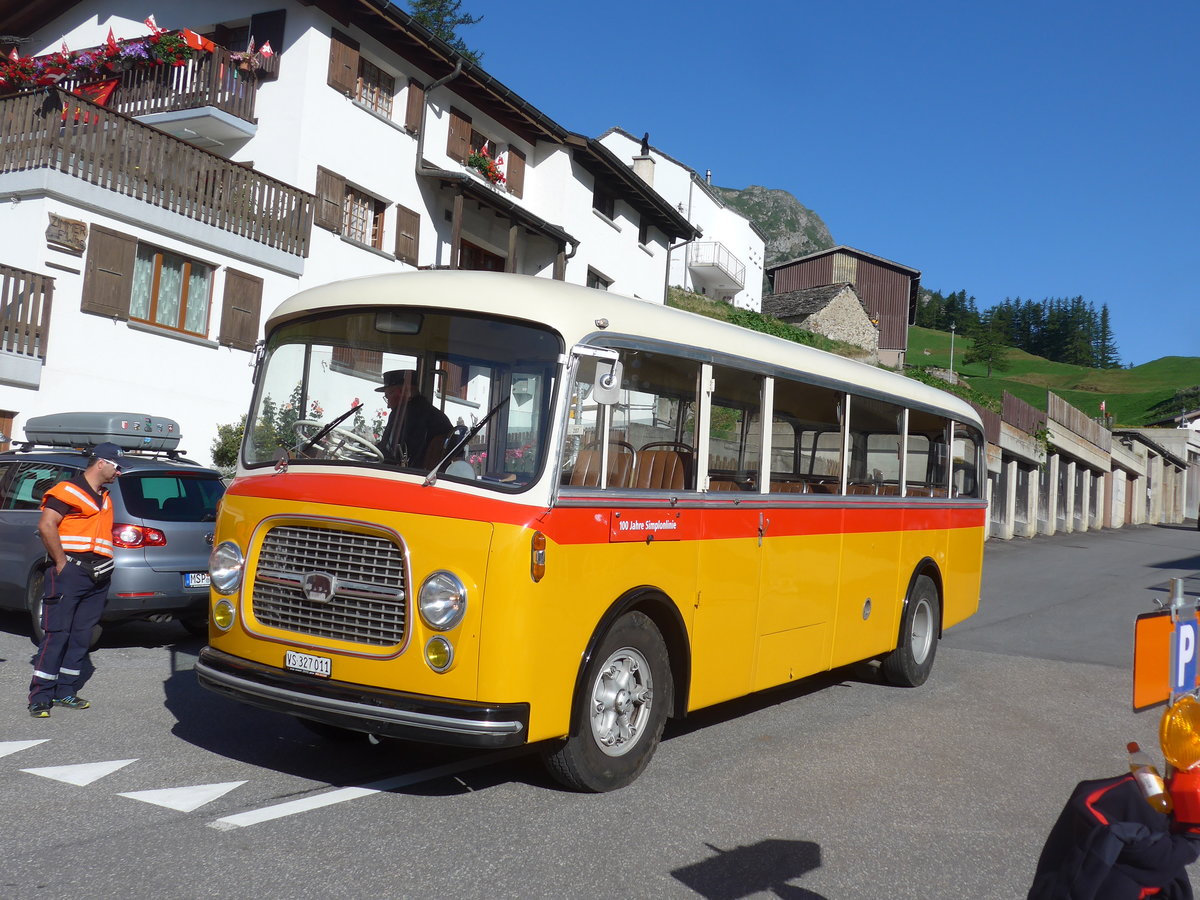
pixel 801 568
pixel 727 608
pixel 872 587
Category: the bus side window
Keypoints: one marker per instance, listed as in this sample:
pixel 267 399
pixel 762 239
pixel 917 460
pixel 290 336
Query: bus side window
pixel 874 445
pixel 735 428
pixel 926 470
pixel 806 446
pixel 965 481
pixel 652 429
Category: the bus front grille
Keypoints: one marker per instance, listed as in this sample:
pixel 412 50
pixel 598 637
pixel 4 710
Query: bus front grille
pixel 331 583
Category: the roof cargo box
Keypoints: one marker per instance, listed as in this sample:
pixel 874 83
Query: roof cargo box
pixel 129 431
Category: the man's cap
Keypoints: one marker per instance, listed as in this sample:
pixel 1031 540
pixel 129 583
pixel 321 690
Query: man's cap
pixel 396 377
pixel 108 451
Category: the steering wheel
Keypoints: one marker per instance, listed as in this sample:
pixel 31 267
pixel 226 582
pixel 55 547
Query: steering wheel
pixel 338 442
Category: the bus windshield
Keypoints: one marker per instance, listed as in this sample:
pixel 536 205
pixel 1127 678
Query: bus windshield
pixel 401 387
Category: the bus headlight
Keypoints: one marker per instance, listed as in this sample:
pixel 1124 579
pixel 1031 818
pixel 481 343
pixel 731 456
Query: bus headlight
pixel 225 565
pixel 442 601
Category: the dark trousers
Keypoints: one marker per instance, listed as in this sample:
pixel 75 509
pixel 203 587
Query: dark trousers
pixel 71 608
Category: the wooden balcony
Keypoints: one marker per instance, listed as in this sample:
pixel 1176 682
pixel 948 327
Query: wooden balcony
pixel 55 130
pixel 213 80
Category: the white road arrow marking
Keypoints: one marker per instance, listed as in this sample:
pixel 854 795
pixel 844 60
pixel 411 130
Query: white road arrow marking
pixel 82 774
pixel 7 747
pixel 184 799
pixel 341 795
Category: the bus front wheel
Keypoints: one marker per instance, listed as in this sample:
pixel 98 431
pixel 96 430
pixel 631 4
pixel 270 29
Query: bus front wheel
pixel 910 663
pixel 620 711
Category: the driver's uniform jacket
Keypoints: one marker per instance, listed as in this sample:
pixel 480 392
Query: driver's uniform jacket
pixel 86 527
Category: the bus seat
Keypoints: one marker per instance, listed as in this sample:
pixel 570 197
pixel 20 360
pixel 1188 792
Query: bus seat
pixel 586 472
pixel 889 490
pixel 789 487
pixel 860 488
pixel 722 484
pixel 659 470
pixel 822 487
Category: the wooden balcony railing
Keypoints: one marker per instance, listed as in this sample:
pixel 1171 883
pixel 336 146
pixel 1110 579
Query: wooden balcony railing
pixel 25 299
pixel 56 130
pixel 208 79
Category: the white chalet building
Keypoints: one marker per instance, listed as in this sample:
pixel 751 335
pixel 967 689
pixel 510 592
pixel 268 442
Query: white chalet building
pixel 144 239
pixel 726 262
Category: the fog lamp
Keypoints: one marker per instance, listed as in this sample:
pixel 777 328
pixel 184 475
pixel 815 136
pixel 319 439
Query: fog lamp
pixel 222 615
pixel 439 654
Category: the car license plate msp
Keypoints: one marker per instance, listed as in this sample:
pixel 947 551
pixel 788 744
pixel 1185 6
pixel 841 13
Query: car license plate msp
pixel 321 666
pixel 196 579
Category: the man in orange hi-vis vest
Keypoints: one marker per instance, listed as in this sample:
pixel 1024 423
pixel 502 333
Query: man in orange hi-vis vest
pixel 76 527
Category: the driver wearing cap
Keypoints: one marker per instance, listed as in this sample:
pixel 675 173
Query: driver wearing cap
pixel 76 529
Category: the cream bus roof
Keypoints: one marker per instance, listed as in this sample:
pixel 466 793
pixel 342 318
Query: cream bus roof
pixel 572 310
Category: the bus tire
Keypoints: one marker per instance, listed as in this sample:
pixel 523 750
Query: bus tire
pixel 619 714
pixel 910 663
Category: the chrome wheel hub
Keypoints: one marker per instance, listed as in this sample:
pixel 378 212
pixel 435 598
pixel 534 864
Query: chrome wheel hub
pixel 621 699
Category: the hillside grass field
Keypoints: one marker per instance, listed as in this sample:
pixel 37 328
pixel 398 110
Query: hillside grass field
pixel 1136 396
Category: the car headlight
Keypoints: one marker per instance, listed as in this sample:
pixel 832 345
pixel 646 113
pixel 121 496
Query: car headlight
pixel 225 565
pixel 442 601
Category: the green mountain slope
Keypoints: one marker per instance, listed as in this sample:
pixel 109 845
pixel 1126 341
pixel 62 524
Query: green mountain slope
pixel 1132 397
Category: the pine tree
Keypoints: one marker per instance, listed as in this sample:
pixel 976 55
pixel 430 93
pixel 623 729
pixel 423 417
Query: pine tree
pixel 443 18
pixel 988 346
pixel 1107 356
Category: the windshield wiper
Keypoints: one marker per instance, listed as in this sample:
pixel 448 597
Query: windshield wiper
pixel 328 428
pixel 431 478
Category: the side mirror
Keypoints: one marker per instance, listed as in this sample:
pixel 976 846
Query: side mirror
pixel 607 388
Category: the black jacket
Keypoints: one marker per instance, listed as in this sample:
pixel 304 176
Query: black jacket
pixel 1108 844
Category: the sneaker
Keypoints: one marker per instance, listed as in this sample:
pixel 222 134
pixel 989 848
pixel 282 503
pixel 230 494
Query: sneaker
pixel 72 702
pixel 39 710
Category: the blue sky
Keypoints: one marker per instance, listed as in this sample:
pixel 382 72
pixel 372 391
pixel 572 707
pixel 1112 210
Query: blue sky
pixel 1010 149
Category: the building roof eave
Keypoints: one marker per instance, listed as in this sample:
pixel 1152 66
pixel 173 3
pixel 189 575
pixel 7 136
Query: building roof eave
pixel 471 186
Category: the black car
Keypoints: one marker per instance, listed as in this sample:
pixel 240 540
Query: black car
pixel 164 511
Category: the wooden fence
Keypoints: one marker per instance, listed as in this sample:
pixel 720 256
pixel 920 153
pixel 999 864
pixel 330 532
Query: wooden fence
pixel 1078 422
pixel 25 299
pixel 56 130
pixel 1019 414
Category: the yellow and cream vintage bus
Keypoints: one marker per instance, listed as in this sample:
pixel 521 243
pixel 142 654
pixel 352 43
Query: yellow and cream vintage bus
pixel 636 512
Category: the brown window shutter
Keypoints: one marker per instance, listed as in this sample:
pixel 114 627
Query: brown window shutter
pixel 408 235
pixel 343 63
pixel 108 273
pixel 514 172
pixel 240 310
pixel 416 104
pixel 331 200
pixel 459 145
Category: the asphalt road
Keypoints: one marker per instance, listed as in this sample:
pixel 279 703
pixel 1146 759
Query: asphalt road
pixel 839 787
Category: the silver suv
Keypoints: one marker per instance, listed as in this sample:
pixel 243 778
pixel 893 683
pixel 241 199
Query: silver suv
pixel 164 512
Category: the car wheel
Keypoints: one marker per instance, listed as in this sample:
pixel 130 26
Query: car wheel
pixel 33 602
pixel 620 711
pixel 910 663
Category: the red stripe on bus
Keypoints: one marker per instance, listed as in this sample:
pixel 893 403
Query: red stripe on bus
pixel 694 518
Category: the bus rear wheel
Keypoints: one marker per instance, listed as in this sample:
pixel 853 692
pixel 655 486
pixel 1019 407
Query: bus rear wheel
pixel 911 662
pixel 620 711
